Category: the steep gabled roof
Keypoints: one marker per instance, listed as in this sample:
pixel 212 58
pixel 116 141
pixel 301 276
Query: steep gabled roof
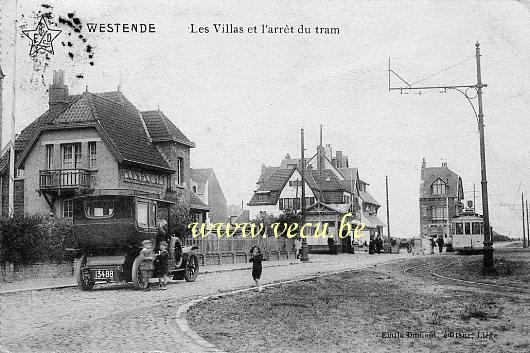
pixel 325 181
pixel 368 198
pixel 266 173
pixel 196 203
pixel 430 174
pixel 117 120
pixel 162 129
pixel 277 180
pixel 273 184
pixel 243 217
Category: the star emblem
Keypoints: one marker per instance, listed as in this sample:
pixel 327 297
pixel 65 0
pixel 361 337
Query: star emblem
pixel 41 37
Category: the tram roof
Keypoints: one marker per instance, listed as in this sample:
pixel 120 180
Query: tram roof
pixel 468 217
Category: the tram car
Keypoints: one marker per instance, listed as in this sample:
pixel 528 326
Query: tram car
pixel 109 229
pixel 468 233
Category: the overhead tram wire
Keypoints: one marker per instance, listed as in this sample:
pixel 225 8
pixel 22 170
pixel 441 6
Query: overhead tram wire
pixel 443 70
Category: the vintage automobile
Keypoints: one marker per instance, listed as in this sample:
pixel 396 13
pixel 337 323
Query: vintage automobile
pixel 109 228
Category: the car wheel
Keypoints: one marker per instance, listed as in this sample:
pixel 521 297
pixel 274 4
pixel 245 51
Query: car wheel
pixel 192 268
pixel 175 251
pixel 83 275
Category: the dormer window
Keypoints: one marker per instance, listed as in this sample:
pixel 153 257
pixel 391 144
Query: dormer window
pixel 439 187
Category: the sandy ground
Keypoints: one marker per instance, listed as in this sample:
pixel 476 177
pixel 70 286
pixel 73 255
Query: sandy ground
pixel 381 310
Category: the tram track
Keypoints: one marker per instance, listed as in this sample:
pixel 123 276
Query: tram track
pixel 465 283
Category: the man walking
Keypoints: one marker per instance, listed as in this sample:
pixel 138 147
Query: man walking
pixel 440 242
pixel 433 244
pixel 331 245
pixel 378 244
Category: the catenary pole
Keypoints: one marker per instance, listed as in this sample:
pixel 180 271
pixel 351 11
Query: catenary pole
pixel 304 257
pixel 11 192
pixel 487 264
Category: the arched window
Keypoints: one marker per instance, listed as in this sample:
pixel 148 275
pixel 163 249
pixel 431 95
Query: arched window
pixel 439 187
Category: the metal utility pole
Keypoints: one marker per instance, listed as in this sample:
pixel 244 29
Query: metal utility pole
pixel 304 257
pixel 387 211
pixel 524 230
pixel 527 225
pixel 488 264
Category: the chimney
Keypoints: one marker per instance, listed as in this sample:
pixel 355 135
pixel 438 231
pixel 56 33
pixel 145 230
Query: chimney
pixel 287 156
pixel 423 164
pixel 444 164
pixel 58 90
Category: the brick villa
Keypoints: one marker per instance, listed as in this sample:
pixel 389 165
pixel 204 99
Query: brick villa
pixel 441 194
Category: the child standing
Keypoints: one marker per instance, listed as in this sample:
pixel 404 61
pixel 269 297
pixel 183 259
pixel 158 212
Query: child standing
pixel 147 265
pixel 256 258
pixel 162 261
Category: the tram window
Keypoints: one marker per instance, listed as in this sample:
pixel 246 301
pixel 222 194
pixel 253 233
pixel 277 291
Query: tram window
pixel 476 228
pixel 468 228
pixel 459 228
pixel 99 208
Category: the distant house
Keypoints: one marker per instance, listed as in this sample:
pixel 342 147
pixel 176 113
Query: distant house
pixel 93 142
pixel 205 185
pixel 332 189
pixel 441 194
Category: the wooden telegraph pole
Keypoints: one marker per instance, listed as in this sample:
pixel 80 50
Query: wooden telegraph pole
pixel 527 226
pixel 387 211
pixel 304 257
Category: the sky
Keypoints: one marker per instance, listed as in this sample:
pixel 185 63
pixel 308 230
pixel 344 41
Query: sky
pixel 243 97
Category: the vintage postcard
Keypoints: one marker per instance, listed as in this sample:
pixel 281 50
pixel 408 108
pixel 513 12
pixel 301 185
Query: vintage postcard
pixel 269 176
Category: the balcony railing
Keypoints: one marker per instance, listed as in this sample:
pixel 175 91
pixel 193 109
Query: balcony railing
pixel 64 179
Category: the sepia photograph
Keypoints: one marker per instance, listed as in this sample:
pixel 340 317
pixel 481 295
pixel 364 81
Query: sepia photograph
pixel 268 176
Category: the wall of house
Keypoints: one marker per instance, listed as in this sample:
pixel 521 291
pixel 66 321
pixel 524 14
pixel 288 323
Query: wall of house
pixel 5 191
pixel 216 200
pixel 105 174
pixel 291 191
pixel 171 151
pixel 435 228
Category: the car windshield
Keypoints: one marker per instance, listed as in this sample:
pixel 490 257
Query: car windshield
pixel 99 208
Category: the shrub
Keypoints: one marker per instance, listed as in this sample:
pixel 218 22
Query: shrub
pixel 35 238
